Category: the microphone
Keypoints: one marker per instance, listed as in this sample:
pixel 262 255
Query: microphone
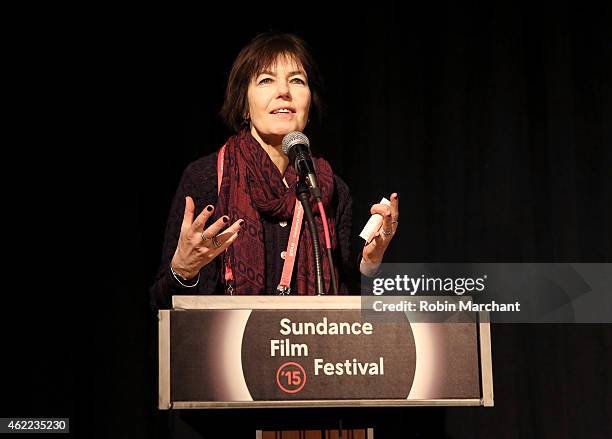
pixel 297 147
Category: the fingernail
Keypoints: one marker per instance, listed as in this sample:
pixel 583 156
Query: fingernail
pixel 397 196
pixel 240 223
pixel 225 219
pixel 209 208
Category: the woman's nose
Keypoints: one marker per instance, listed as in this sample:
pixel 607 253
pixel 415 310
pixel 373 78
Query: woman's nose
pixel 283 88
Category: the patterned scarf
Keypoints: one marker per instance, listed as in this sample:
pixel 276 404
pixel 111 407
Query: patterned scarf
pixel 253 186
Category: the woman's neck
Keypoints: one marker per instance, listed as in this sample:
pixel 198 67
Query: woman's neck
pixel 273 146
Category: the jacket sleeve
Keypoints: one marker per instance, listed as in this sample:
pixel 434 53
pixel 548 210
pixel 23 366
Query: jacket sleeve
pixel 350 244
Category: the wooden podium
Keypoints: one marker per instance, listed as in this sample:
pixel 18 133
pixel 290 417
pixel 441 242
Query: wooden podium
pixel 330 351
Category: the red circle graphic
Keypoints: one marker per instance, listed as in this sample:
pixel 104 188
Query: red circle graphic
pixel 300 377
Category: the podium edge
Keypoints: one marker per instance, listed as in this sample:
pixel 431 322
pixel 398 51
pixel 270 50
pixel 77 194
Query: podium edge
pixel 164 360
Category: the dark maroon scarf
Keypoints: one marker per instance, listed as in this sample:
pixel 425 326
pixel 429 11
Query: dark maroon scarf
pixel 251 186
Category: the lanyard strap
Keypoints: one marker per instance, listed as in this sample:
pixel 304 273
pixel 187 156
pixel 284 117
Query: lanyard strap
pixel 228 275
pixel 284 287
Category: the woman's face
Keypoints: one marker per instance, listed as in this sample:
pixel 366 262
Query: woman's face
pixel 279 100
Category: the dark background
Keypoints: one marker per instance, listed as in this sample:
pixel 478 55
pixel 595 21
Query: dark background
pixel 493 121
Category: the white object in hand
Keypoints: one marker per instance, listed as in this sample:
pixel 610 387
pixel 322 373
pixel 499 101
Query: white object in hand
pixel 374 223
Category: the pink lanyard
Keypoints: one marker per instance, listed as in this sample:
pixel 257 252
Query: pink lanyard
pixel 229 275
pixel 284 287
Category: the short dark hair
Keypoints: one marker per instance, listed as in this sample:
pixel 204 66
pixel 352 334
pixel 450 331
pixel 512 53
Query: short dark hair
pixel 257 56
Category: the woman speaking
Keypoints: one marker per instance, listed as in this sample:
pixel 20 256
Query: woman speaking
pixel 232 216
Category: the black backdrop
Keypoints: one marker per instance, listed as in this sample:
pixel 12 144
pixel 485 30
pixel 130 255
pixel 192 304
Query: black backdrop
pixel 492 121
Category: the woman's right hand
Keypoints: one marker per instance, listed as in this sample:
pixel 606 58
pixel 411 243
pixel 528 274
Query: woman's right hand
pixel 198 246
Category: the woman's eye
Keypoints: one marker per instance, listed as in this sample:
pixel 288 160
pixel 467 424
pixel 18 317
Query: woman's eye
pixel 292 80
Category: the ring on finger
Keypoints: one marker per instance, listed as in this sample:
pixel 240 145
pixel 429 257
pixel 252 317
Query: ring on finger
pixel 204 237
pixel 215 241
pixel 385 232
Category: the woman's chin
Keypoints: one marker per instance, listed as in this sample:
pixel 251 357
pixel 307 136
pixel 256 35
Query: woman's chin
pixel 283 127
pixel 275 134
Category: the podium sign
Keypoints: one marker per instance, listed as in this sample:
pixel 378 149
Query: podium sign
pixel 270 351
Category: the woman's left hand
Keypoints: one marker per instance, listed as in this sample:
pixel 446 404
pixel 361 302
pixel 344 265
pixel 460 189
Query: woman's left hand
pixel 374 251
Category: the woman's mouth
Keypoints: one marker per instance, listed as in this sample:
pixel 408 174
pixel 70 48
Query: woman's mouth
pixel 283 114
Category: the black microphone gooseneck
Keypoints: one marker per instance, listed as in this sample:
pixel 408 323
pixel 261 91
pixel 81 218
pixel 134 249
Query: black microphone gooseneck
pixel 303 194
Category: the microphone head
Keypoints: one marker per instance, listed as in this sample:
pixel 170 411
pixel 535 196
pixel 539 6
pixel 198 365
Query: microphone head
pixel 294 138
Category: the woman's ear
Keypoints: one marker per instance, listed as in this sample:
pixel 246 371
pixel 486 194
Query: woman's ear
pixel 246 119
